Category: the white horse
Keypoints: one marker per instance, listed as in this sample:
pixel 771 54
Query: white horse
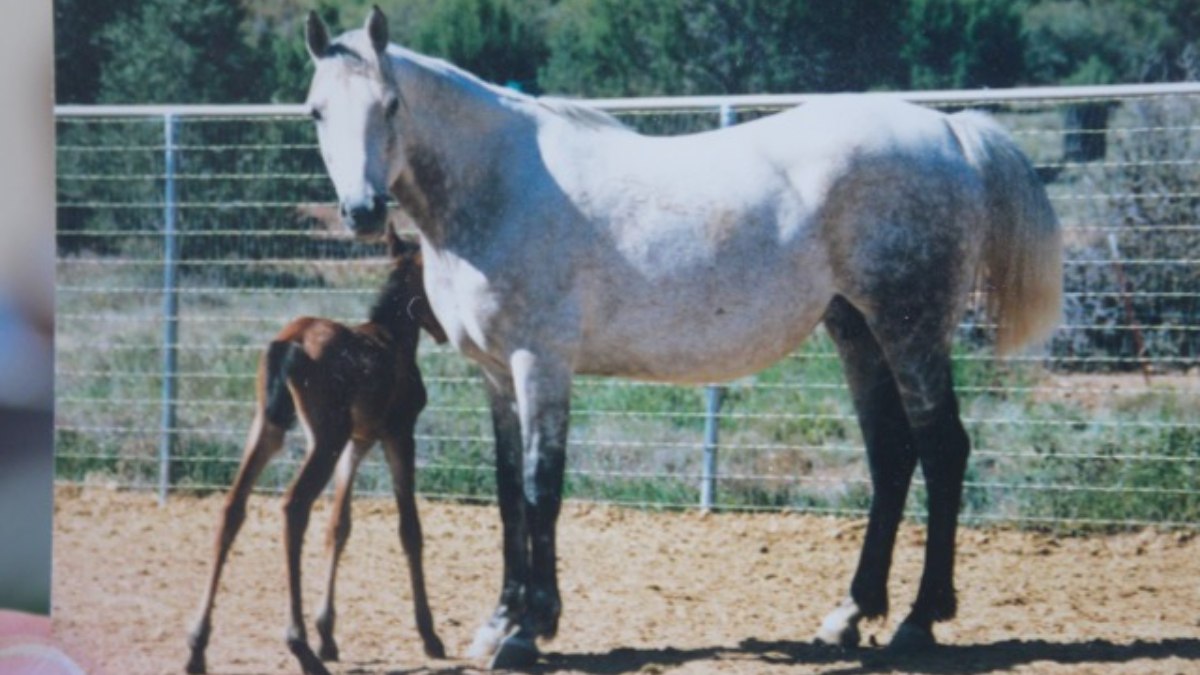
pixel 559 242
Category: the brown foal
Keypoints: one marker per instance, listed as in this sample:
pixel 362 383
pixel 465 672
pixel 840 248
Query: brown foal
pixel 349 387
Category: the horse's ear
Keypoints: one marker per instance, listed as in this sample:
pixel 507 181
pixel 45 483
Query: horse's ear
pixel 316 36
pixel 377 28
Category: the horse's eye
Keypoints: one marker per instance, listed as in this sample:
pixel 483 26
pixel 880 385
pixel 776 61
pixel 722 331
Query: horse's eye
pixel 392 107
pixel 316 114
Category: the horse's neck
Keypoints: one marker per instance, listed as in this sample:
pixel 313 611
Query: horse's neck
pixel 443 101
pixel 454 130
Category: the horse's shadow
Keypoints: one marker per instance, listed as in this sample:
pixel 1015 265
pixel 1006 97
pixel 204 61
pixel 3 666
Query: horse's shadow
pixel 968 659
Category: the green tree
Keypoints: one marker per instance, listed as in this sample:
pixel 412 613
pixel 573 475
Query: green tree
pixel 78 51
pixel 952 44
pixel 181 51
pixel 1093 42
pixel 499 40
pixel 611 48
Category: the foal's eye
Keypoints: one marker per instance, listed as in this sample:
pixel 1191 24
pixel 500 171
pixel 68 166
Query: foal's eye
pixel 316 114
pixel 392 107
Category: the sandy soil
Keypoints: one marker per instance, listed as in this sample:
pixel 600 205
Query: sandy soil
pixel 643 592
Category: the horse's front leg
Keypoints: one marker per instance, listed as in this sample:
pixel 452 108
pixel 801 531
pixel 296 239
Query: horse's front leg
pixel 544 404
pixel 506 426
pixel 542 387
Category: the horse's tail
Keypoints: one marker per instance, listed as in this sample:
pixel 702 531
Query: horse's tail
pixel 278 362
pixel 1022 255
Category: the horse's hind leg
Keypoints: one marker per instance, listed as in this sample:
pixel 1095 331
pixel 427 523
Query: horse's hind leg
pixel 336 536
pixel 327 443
pixel 264 441
pixel 915 337
pixel 399 449
pixel 943 447
pixel 891 457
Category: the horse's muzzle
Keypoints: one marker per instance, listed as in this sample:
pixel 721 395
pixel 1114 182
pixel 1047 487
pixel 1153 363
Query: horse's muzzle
pixel 366 217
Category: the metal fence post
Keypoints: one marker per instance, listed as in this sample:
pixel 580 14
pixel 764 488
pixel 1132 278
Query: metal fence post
pixel 170 307
pixel 708 476
pixel 713 394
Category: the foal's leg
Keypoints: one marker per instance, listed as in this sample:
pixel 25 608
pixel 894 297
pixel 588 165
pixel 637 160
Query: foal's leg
pixel 400 450
pixel 329 437
pixel 336 536
pixel 892 460
pixel 264 442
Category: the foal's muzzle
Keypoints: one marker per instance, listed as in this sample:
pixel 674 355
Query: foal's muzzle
pixel 365 217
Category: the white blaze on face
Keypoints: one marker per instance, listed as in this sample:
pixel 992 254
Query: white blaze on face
pixel 350 111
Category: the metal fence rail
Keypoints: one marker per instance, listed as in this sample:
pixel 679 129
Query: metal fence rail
pixel 188 235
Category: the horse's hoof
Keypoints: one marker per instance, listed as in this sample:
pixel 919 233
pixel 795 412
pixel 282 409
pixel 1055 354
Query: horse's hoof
pixel 196 664
pixel 840 627
pixel 847 638
pixel 515 652
pixel 910 638
pixel 488 637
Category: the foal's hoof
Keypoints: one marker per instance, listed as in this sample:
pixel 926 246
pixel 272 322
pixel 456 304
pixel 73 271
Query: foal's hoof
pixel 515 652
pixel 911 638
pixel 196 664
pixel 434 648
pixel 309 663
pixel 328 651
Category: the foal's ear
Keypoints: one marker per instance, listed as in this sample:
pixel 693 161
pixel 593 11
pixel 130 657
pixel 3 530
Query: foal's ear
pixel 316 36
pixel 377 28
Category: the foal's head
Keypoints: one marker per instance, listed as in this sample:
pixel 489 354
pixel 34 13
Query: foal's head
pixel 402 302
pixel 354 100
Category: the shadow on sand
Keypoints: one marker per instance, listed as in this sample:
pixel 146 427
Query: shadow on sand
pixel 945 659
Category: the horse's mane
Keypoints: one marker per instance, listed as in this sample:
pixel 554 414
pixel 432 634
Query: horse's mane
pixel 577 113
pixel 583 114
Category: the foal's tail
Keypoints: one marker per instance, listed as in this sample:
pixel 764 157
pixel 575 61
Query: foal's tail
pixel 278 362
pixel 1022 254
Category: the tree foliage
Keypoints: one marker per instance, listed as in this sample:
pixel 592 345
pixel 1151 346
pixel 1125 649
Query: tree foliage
pixel 180 51
pixel 498 40
pixel 962 44
pixel 611 48
pixel 252 50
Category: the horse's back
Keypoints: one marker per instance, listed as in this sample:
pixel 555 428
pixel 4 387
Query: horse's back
pixel 732 242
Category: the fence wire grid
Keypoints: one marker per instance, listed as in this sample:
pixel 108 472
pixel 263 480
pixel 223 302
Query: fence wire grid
pixel 187 239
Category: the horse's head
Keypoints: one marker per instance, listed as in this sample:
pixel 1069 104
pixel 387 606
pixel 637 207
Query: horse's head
pixel 354 100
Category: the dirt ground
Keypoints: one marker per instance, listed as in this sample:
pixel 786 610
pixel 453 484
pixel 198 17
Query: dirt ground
pixel 643 592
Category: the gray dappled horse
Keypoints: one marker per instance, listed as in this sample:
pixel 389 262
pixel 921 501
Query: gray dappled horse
pixel 559 242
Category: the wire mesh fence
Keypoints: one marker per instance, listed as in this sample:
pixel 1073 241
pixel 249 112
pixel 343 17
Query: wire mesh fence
pixel 181 252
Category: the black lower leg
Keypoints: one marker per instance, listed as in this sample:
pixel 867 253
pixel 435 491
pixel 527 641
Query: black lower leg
pixel 944 449
pixel 890 452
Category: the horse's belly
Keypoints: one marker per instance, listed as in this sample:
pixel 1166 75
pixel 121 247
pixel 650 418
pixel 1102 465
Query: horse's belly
pixel 707 341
